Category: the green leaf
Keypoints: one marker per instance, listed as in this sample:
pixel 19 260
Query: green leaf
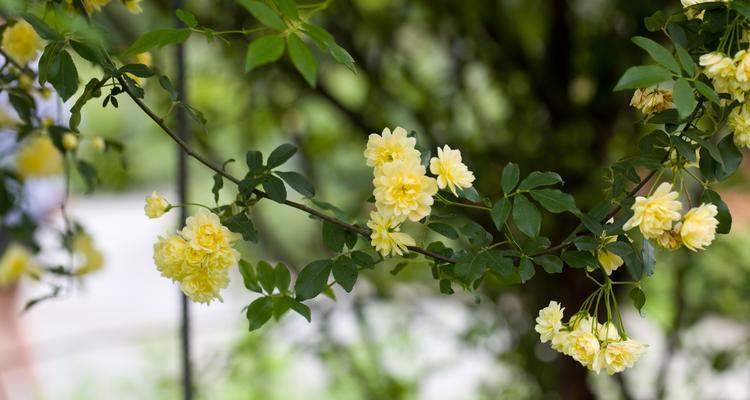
pixel 89 51
pixel 264 14
pixel 471 266
pixel 65 79
pixel 509 178
pixel 724 216
pixel 742 7
pixel 476 234
pixel 619 248
pixel 711 148
pixel 88 172
pixel 657 52
pixel 49 61
pixel 280 155
pixel 254 161
pixel 242 224
pixel 579 259
pixel 333 237
pixel 555 200
pixel 259 312
pixel 266 276
pixel 362 259
pixel 166 84
pixel 218 184
pixel 157 39
pixel 445 287
pixel 684 99
pixel 499 263
pixel 586 243
pixel 707 92
pixel 42 29
pixel 500 212
pixel 591 224
pixel 302 58
pixel 633 263
pixel 312 279
pixel 249 276
pixel 345 272
pixel 731 155
pixel 638 298
pixel 443 229
pixel 140 70
pixel 526 216
pixel 298 182
pixel 281 305
pixel 288 8
pixel 642 76
pixel 322 38
pixel 647 255
pixel 688 65
pixel 186 17
pixel 526 270
pixel 536 179
pixel 655 22
pixel 551 264
pixel 22 103
pixel 263 50
pixel 342 56
pixel 274 188
pixel 282 277
pixel 301 309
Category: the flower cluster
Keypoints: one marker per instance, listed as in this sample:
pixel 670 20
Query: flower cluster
pixel 402 188
pixel 596 346
pixel 651 100
pixel 658 217
pixel 198 257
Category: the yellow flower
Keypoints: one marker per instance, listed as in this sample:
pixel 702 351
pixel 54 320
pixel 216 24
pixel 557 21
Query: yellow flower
pixel 156 206
pixel 584 347
pixel 99 143
pixel 15 262
pixel 140 58
pixel 203 286
pixel 651 100
pixel 670 240
pixel 608 332
pixel 717 65
pixel 386 235
pixel 169 256
pixel 21 42
pixel 607 259
pixel 222 259
pixel 561 342
pixel 38 157
pixel 69 141
pixel 655 214
pixel 91 258
pixel 204 231
pixel 621 355
pixel 133 6
pixel 742 73
pixel 450 171
pixel 698 228
pixel 549 321
pixel 402 189
pixel 739 123
pixel 387 147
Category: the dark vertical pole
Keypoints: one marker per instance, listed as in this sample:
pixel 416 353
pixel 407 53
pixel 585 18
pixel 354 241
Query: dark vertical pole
pixel 182 184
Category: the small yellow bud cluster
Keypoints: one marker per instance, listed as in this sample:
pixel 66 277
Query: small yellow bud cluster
pixel 156 206
pixel 650 101
pixel 70 141
pixel 16 261
pixel 596 346
pixel 402 188
pixel 198 257
pixel 657 214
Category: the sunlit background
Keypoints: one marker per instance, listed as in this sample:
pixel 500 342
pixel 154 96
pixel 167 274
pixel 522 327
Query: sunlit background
pixel 522 80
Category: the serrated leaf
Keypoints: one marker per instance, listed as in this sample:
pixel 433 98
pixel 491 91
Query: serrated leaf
pixel 499 263
pixel 526 216
pixel 140 70
pixel 476 234
pixel 362 259
pixel 42 29
pixel 322 38
pixel 688 65
pixel 509 178
pixel 312 280
pixel 263 13
pixel 302 58
pixel 707 92
pixel 642 76
pixel 282 277
pixel 333 237
pixel 263 50
pixel 658 53
pixel 470 267
pixel 301 309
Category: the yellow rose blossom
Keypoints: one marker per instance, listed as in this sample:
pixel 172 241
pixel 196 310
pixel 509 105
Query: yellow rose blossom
pixel 584 347
pixel 21 42
pixel 89 257
pixel 560 342
pixel 450 171
pixel 156 206
pixel 134 6
pixel 742 73
pixel 621 355
pixel 656 213
pixel 205 231
pixel 402 189
pixel 204 286
pixel 15 262
pixel 386 235
pixel 670 240
pixel 698 228
pixel 38 157
pixel 169 256
pixel 70 141
pixel 651 100
pixel 549 321
pixel 387 147
pixel 739 123
pixel 608 260
pixel 723 72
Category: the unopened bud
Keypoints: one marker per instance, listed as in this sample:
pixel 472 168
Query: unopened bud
pixel 69 141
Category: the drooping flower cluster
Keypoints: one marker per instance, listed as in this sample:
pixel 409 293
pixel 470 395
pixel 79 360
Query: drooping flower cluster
pixel 658 217
pixel 596 346
pixel 21 42
pixel 402 189
pixel 651 100
pixel 199 256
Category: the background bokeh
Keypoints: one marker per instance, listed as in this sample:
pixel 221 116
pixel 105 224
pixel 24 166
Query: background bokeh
pixel 522 80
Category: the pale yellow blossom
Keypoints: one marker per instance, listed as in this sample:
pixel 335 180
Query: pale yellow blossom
pixel 387 147
pixel 739 123
pixel 620 355
pixel 402 189
pixel 698 228
pixel 451 172
pixel 21 42
pixel 549 321
pixel 156 206
pixel 386 235
pixel 651 100
pixel 656 213
pixel 38 157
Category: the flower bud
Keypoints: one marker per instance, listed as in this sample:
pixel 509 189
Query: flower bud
pixel 25 82
pixel 99 143
pixel 670 240
pixel 69 141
